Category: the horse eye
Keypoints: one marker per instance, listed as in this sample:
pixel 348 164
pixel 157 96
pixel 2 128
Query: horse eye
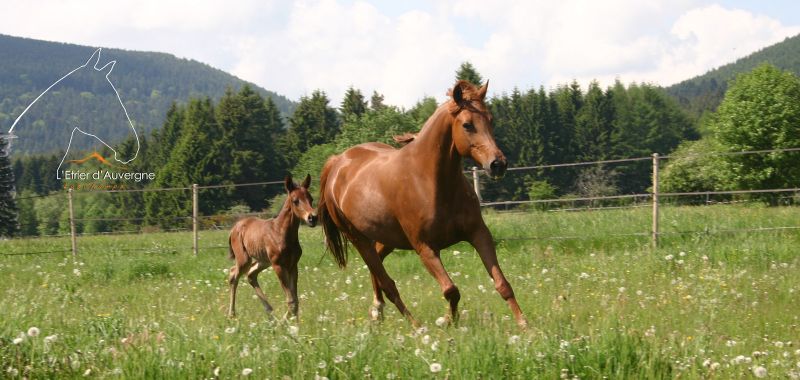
pixel 469 127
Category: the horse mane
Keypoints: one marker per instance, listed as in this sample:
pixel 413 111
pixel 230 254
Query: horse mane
pixel 405 138
pixel 470 98
pixel 470 95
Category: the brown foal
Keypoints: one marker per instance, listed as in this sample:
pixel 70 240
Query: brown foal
pixel 416 197
pixel 256 244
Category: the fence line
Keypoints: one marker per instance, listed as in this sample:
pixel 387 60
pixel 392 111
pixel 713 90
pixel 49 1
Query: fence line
pixel 654 196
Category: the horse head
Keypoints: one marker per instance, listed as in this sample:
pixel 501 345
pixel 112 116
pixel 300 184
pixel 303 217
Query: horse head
pixel 96 74
pixel 300 200
pixel 472 129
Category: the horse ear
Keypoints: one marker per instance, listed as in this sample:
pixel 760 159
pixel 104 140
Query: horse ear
pixel 94 59
pixel 288 183
pixel 457 94
pixel 108 67
pixel 483 89
pixel 307 181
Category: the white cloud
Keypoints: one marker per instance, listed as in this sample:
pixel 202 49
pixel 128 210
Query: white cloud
pixel 294 48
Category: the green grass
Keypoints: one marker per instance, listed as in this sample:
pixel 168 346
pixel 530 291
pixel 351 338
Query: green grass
pixel 603 305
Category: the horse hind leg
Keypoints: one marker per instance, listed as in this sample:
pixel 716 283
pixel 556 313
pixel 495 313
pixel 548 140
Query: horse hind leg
pixel 252 278
pixel 376 311
pixel 378 272
pixel 233 283
pixel 433 263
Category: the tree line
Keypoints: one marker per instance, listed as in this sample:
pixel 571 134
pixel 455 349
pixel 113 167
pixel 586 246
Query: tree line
pixel 242 138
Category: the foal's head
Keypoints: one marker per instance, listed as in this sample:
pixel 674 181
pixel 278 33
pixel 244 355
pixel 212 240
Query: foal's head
pixel 472 130
pixel 300 200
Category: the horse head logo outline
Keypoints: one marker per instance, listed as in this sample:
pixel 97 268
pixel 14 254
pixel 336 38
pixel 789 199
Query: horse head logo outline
pixel 93 63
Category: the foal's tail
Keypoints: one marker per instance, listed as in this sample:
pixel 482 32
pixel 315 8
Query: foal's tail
pixel 234 238
pixel 334 238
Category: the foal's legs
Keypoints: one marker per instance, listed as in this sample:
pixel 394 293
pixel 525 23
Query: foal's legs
pixel 233 281
pixel 288 279
pixel 483 242
pixel 376 269
pixel 376 312
pixel 252 278
pixel 435 267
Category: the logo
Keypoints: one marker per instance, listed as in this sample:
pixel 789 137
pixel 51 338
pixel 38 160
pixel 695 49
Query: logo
pixel 109 170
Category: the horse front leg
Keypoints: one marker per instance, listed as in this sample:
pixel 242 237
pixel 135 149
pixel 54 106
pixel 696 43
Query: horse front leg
pixel 484 243
pixel 433 263
pixel 288 279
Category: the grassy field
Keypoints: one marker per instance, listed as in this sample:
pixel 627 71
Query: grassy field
pixel 712 304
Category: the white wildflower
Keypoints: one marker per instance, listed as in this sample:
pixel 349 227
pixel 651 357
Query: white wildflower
pixel 293 330
pixel 230 330
pixel 436 367
pixel 441 321
pixel 247 372
pixel 760 371
pixel 514 339
pixel 669 257
pixel 33 331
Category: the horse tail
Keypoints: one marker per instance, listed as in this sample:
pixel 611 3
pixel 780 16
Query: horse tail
pixel 334 238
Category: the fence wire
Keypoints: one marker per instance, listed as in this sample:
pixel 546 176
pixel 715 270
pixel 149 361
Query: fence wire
pixel 636 201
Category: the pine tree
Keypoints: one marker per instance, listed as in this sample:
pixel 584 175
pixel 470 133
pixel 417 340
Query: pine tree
pixel 9 225
pixel 353 104
pixel 376 102
pixel 468 73
pixel 313 122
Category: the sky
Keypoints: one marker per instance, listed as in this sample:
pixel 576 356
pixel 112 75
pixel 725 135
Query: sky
pixel 410 49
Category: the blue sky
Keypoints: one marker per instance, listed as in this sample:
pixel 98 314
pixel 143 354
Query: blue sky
pixel 409 49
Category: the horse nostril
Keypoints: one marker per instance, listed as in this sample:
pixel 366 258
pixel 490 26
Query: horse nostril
pixel 498 167
pixel 312 219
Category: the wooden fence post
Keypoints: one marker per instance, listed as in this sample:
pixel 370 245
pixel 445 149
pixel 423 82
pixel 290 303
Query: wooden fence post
pixel 194 219
pixel 476 183
pixel 655 201
pixel 72 225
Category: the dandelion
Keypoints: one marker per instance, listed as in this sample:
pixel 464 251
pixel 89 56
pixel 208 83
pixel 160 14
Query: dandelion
pixel 247 372
pixel 216 372
pixel 322 365
pixel 33 331
pixel 706 362
pixel 17 340
pixel 545 270
pixel 669 257
pixel 426 339
pixel 13 372
pixel 50 338
pixel 436 367
pixel 441 321
pixel 87 372
pixel 230 330
pixel 418 352
pixel 730 343
pixel 514 339
pixel 338 359
pixel 714 366
pixel 621 289
pixel 293 330
pixel 435 346
pixel 76 272
pixel 583 275
pixel 318 377
pixel 760 371
pixel 681 254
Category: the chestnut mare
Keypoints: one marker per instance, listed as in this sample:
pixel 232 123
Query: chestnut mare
pixel 256 244
pixel 416 197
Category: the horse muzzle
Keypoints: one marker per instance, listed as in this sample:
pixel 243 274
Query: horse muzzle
pixel 497 168
pixel 311 220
